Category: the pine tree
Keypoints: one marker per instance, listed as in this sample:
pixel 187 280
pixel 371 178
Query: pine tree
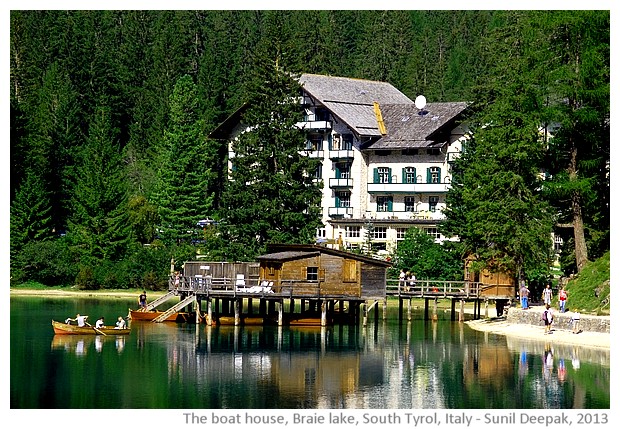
pixel 577 64
pixel 494 204
pixel 182 196
pixel 271 196
pixel 99 226
pixel 31 218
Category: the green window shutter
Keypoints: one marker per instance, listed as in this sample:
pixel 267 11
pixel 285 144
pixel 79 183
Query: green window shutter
pixel 337 200
pixel 404 175
pixel 329 141
pixel 428 175
pixel 375 173
pixel 415 176
pixel 390 175
pixel 337 171
pixel 438 175
pixel 389 203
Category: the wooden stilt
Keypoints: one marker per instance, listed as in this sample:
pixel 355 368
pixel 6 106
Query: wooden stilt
pixel 462 311
pixel 434 309
pixel 385 307
pixel 280 312
pixel 324 313
pixel 237 312
pixel 408 308
pixel 209 312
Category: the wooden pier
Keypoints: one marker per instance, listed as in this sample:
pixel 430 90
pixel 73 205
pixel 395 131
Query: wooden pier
pixel 255 301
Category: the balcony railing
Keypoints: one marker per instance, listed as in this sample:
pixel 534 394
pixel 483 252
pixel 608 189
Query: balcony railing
pixel 314 125
pixel 340 211
pixel 340 183
pixel 341 154
pixel 391 188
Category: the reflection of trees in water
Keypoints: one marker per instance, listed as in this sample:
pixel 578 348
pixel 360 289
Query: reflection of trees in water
pixel 415 364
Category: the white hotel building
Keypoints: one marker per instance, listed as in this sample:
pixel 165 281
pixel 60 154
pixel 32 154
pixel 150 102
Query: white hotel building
pixel 385 164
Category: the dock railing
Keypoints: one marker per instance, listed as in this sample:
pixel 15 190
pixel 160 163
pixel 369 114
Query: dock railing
pixel 430 288
pixel 394 287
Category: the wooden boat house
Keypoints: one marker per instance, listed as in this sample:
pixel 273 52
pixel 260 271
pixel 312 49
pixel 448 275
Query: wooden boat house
pixel 319 272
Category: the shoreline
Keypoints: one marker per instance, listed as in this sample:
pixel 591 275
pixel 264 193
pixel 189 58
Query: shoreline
pixel 500 326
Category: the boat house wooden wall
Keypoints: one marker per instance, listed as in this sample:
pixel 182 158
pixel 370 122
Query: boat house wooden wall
pixel 320 271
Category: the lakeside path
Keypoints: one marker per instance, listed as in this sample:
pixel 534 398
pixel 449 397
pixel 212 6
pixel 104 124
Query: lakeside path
pixel 492 325
pixel 530 332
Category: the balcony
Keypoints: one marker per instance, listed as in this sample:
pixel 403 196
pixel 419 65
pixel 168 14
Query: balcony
pixel 408 188
pixel 341 154
pixel 340 183
pixel 340 211
pixel 314 125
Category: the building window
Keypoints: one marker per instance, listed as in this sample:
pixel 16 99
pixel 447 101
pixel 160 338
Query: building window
pixel 312 274
pixel 320 233
pixel 318 173
pixel 409 204
pixel 432 232
pixel 409 175
pixel 384 204
pixel 400 233
pixel 321 114
pixel 379 233
pixel 433 151
pixel 343 170
pixel 343 199
pixel 433 175
pixel 432 204
pixel 352 232
pixel 314 142
pixel 383 175
pixel 347 141
pixel 383 152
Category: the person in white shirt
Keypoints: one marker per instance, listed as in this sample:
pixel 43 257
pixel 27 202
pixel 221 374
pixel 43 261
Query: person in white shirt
pixel 120 324
pixel 99 323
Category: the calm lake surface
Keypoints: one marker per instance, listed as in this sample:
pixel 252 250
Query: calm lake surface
pixel 387 364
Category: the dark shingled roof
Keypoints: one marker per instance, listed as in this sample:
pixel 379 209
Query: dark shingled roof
pixel 352 100
pixel 407 128
pixel 286 256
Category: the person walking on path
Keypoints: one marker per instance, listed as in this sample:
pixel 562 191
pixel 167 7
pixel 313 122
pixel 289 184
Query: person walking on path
pixel 547 295
pixel 562 296
pixel 524 293
pixel 547 317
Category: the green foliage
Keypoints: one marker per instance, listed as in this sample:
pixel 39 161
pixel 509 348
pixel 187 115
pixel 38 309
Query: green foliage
pixel 50 262
pixel 590 290
pixel 418 253
pixel 182 196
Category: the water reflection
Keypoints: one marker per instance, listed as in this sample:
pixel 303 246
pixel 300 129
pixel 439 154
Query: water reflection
pixel 413 365
pixel 80 345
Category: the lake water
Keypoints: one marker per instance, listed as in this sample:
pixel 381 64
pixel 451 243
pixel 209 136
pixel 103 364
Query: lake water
pixel 385 365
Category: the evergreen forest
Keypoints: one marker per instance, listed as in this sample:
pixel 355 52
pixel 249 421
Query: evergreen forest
pixel 114 173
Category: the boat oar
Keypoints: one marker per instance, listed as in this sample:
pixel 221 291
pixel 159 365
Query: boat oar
pixel 97 330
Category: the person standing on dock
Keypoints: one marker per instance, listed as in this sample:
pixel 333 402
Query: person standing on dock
pixel 142 300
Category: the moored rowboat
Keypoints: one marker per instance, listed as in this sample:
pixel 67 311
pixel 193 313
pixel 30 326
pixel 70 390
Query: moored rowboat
pixel 67 329
pixel 153 314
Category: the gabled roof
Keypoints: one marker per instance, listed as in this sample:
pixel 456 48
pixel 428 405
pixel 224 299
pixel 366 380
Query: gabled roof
pixel 408 127
pixel 286 252
pixel 352 100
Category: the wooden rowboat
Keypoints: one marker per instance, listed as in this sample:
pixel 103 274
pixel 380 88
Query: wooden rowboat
pixel 153 314
pixel 247 321
pixel 67 329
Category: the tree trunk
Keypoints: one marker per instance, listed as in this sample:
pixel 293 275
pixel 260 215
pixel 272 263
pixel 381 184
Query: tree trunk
pixel 581 250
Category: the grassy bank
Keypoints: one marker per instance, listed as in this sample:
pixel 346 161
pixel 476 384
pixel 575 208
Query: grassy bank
pixel 589 291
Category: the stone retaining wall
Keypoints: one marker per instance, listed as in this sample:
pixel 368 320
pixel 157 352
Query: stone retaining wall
pixel 533 315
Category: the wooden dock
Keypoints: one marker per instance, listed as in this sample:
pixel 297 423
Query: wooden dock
pixel 256 301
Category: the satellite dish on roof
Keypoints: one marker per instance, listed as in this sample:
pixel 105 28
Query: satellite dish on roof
pixel 420 102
